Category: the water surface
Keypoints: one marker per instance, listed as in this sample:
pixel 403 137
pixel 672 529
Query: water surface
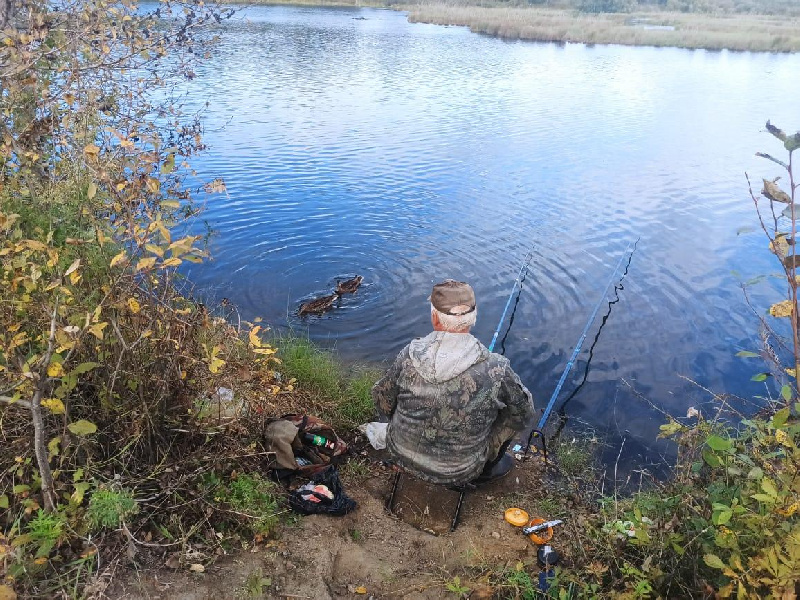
pixel 354 142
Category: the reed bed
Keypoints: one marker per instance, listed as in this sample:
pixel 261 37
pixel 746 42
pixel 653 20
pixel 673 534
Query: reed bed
pixel 735 32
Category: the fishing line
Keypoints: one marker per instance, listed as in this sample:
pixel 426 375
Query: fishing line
pixel 538 430
pixel 571 361
pixel 618 287
pixel 513 314
pixel 517 281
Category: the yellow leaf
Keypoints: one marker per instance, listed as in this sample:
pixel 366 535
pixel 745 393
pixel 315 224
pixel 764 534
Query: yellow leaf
pixel 74 277
pixel 361 590
pixel 34 245
pixel 133 304
pixel 97 330
pixel 118 258
pixel 781 309
pixel 52 447
pixel 791 373
pixel 773 192
pixel 41 560
pixel 54 405
pixel 157 250
pixel 215 364
pixel 265 351
pixel 216 186
pixel 55 370
pixel 780 246
pixel 92 191
pixel 82 427
pixel 255 342
pixel 91 149
pixel 171 262
pixel 182 245
pixel 73 267
pixel 146 263
pixel 165 232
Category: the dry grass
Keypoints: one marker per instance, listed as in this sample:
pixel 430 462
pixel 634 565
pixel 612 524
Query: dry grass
pixel 735 32
pixel 748 32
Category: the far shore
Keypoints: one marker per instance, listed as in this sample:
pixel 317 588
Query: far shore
pixel 741 32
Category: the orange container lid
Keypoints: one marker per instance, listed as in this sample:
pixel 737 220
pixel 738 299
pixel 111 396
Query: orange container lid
pixel 516 516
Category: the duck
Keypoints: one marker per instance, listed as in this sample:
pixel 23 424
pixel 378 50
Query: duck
pixel 318 305
pixel 349 286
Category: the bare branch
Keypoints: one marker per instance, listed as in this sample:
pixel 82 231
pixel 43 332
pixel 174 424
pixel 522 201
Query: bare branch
pixel 12 402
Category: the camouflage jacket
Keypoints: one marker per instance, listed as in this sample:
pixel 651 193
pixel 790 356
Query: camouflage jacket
pixel 450 402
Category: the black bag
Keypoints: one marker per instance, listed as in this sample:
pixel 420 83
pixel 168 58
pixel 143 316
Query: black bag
pixel 339 505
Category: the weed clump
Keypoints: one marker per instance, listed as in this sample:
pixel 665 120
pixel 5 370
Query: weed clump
pixel 250 496
pixel 108 508
pixel 573 457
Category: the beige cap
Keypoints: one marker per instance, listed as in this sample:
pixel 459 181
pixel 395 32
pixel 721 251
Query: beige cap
pixel 453 297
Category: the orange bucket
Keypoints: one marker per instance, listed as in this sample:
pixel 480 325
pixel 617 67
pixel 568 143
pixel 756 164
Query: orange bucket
pixel 540 537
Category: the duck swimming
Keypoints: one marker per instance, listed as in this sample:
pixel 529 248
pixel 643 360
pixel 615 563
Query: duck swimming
pixel 318 305
pixel 349 286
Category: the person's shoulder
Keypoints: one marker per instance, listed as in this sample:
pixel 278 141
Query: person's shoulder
pixel 497 360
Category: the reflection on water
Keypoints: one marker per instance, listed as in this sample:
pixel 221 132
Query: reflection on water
pixel 353 142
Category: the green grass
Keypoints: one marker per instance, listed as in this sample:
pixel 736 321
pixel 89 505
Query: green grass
pixel 355 468
pixel 346 391
pixel 45 530
pixel 317 370
pixel 550 508
pixel 356 405
pixel 573 457
pixel 251 496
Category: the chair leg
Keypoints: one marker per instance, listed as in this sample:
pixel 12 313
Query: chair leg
pixel 390 501
pixel 458 509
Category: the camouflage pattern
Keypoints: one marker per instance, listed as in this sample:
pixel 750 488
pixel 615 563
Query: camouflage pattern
pixel 451 404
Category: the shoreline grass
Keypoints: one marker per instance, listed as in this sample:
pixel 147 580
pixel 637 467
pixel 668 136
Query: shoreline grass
pixel 343 392
pixel 755 33
pixel 736 32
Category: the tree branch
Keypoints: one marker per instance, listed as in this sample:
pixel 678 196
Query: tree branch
pixel 11 401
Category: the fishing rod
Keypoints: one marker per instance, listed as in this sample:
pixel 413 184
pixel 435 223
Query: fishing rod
pixel 513 314
pixel 577 349
pixel 618 287
pixel 517 281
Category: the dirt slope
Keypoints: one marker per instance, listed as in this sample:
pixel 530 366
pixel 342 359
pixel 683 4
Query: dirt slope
pixel 369 553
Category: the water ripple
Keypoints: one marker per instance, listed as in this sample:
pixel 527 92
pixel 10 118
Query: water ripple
pixel 410 153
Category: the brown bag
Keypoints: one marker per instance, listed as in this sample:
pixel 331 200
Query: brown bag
pixel 313 458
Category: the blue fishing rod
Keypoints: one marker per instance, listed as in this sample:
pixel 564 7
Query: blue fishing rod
pixel 517 281
pixel 576 351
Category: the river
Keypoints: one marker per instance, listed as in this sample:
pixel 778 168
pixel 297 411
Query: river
pixel 353 142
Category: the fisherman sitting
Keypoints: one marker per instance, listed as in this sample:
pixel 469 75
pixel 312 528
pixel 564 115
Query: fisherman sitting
pixel 453 407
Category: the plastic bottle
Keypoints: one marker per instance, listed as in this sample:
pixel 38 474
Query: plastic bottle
pixel 318 440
